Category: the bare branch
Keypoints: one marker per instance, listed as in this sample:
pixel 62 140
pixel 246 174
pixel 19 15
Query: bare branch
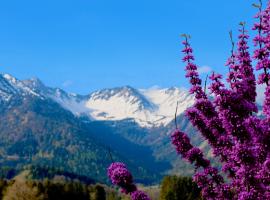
pixel 205 83
pixel 175 116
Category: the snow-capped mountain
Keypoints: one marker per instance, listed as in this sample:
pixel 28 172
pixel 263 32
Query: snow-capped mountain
pixel 148 107
pixel 70 101
pixel 166 100
pixel 120 103
pixel 152 107
pixel 11 87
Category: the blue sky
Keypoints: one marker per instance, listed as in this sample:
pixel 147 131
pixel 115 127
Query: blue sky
pixel 85 45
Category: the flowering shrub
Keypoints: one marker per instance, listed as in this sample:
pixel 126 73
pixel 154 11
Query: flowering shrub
pixel 229 122
pixel 120 176
pixel 239 138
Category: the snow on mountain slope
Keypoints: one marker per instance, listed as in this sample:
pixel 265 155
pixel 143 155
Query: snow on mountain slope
pixel 72 102
pixel 166 101
pixel 11 87
pixel 121 103
pixel 148 107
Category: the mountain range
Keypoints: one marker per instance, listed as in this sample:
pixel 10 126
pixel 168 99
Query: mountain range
pixel 83 134
pixel 148 107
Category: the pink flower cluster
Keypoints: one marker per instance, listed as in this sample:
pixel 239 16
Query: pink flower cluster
pixel 229 122
pixel 120 176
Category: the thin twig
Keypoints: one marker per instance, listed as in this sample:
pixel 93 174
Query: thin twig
pixel 232 54
pixel 175 116
pixel 205 83
pixel 233 44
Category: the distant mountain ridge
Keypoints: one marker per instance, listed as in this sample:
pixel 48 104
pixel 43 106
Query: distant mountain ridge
pixel 152 107
pixel 36 130
pixel 49 127
pixel 10 87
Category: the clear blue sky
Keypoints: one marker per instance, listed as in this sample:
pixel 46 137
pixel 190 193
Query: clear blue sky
pixel 84 45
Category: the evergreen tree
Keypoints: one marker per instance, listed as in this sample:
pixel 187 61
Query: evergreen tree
pixel 99 193
pixel 179 188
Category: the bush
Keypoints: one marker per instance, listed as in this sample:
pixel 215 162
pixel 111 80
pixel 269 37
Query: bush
pixel 179 188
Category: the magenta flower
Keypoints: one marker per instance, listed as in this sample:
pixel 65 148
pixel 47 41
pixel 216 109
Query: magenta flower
pixel 228 121
pixel 120 176
pixel 139 195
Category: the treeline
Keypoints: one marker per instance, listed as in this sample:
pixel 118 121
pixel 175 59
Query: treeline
pixel 179 188
pixel 42 172
pixel 21 189
pixel 40 184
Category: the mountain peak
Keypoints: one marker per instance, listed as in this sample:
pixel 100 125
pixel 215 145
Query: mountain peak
pixel 126 93
pixel 8 77
pixel 148 107
pixel 11 87
pixel 34 83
